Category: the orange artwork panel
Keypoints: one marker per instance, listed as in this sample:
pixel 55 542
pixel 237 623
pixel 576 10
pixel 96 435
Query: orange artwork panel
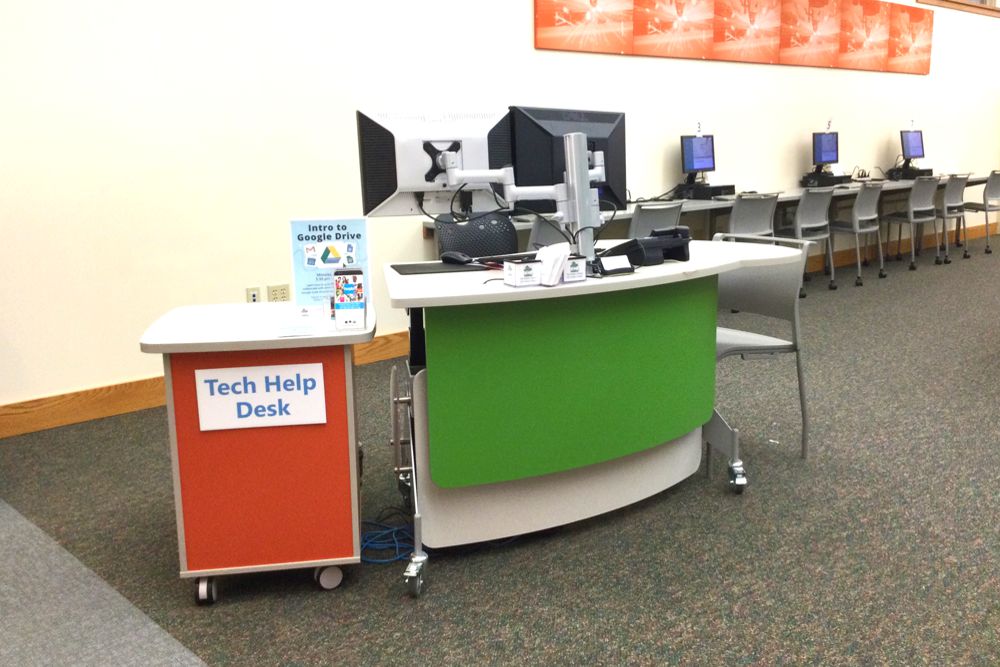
pixel 674 28
pixel 264 496
pixel 910 31
pixel 593 26
pixel 864 35
pixel 747 31
pixel 810 32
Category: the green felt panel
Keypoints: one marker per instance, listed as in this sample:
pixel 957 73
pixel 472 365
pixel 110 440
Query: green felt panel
pixel 534 387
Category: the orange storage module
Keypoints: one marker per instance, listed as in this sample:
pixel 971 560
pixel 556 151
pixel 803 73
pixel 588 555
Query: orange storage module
pixel 263 445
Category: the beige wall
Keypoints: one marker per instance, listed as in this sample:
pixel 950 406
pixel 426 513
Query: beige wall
pixel 152 153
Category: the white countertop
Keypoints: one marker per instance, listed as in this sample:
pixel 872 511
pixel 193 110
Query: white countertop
pixel 246 326
pixel 472 287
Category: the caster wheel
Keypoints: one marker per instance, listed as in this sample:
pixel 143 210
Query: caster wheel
pixel 989 250
pixel 802 293
pixel 913 266
pixel 737 478
pixel 947 259
pixel 415 585
pixel 833 285
pixel 328 577
pixel 966 255
pixel 858 282
pixel 206 591
pixel 938 261
pixel 882 273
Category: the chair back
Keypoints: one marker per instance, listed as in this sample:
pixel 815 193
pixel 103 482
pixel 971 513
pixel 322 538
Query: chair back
pixel 921 201
pixel 545 232
pixel 772 291
pixel 812 216
pixel 648 216
pixel 482 235
pixel 954 191
pixel 866 204
pixel 753 213
pixel 991 193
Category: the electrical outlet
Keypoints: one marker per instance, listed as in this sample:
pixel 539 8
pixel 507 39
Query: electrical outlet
pixel 278 293
pixel 253 294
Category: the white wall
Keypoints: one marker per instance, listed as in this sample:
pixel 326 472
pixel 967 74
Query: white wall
pixel 152 154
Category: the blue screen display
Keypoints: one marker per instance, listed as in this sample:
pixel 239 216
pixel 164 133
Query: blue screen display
pixel 913 144
pixel 825 148
pixel 698 153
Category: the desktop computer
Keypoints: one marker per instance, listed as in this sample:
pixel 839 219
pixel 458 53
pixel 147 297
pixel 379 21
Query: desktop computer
pixel 907 173
pixel 912 143
pixel 702 191
pixel 698 157
pixel 823 179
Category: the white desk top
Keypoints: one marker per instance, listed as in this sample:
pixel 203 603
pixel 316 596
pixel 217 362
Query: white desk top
pixel 245 326
pixel 472 287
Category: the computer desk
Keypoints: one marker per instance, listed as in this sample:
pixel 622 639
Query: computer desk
pixel 523 420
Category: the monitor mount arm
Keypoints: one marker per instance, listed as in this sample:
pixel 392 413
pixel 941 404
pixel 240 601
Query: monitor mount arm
pixel 576 202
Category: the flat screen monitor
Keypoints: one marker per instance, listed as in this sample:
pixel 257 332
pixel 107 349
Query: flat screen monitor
pixel 398 172
pixel 538 154
pixel 913 143
pixel 825 148
pixel 697 153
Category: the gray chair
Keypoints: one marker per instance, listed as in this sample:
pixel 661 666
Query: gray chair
pixel 753 213
pixel 990 204
pixel 771 291
pixel 812 223
pixel 546 232
pixel 920 209
pixel 483 235
pixel 648 216
pixel 953 208
pixel 864 222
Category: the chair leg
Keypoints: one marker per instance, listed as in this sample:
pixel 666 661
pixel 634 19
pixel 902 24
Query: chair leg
pixel 938 246
pixel 857 255
pixel 829 254
pixel 986 214
pixel 944 235
pixel 802 403
pixel 913 247
pixel 881 261
pixel 899 244
pixel 965 240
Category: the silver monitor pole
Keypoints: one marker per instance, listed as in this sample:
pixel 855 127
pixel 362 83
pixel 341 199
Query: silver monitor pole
pixel 583 212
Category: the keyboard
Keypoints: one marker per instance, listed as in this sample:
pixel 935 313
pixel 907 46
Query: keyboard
pixel 500 259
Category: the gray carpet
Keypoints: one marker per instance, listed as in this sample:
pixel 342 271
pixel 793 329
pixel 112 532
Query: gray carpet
pixel 880 549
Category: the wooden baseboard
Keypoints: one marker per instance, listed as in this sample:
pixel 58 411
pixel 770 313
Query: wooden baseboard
pixel 81 406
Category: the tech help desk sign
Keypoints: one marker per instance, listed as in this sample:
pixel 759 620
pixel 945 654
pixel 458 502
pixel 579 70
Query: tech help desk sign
pixel 257 396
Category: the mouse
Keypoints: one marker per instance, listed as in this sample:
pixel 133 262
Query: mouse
pixel 455 257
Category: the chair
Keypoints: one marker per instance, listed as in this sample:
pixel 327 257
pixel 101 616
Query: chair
pixel 483 235
pixel 772 291
pixel 812 223
pixel 648 216
pixel 953 208
pixel 919 210
pixel 753 214
pixel 864 221
pixel 546 232
pixel 991 203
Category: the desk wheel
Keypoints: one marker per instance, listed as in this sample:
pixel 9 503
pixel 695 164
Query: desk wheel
pixel 328 577
pixel 206 591
pixel 737 477
pixel 413 576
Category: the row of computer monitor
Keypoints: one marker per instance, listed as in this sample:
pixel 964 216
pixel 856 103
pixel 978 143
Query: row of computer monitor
pixel 698 151
pixel 399 175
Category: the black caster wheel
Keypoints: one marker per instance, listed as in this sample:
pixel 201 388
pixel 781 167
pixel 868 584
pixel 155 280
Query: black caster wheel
pixel 802 293
pixel 913 266
pixel 737 478
pixel 833 285
pixel 947 259
pixel 206 591
pixel 938 261
pixel 858 282
pixel 882 273
pixel 966 255
pixel 989 250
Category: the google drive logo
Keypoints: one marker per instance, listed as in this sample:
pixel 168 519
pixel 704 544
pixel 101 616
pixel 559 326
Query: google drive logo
pixel 330 255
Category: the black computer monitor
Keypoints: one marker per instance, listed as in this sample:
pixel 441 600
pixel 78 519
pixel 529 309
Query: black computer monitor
pixel 697 155
pixel 539 158
pixel 825 149
pixel 912 142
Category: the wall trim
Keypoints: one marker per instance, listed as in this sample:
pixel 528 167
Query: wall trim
pixel 80 406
